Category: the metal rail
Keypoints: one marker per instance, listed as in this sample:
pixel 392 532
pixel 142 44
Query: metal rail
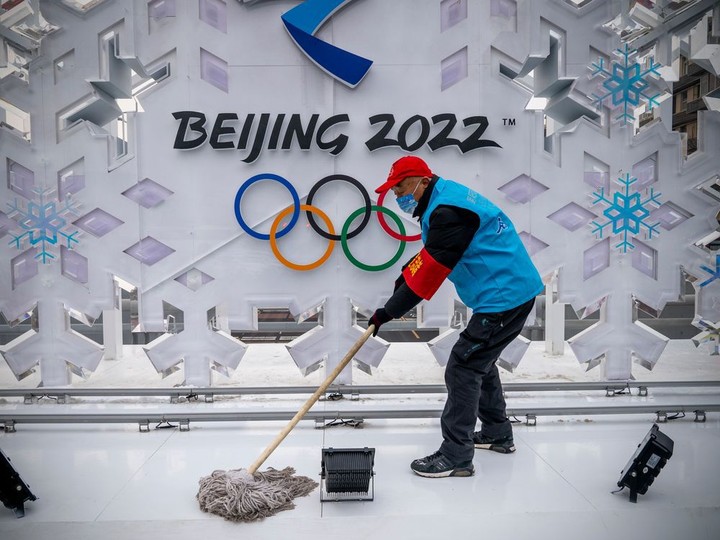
pixel 8 419
pixel 12 416
pixel 209 393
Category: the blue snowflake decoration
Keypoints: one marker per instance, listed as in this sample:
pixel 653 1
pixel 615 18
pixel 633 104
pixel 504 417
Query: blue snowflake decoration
pixel 627 84
pixel 44 223
pixel 714 274
pixel 626 212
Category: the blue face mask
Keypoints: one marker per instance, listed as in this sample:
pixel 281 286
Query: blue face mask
pixel 407 203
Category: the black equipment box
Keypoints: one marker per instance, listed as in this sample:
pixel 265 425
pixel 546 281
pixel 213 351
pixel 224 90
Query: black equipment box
pixel 13 491
pixel 650 457
pixel 347 474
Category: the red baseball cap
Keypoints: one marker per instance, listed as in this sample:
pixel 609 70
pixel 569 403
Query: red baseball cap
pixel 402 168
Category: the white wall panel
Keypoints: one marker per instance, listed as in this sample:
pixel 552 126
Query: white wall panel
pixel 211 263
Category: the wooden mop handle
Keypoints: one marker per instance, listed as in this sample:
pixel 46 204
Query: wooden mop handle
pixel 311 401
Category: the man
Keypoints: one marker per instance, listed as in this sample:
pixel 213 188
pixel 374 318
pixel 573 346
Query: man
pixel 470 241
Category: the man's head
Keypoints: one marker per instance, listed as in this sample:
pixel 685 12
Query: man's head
pixel 405 175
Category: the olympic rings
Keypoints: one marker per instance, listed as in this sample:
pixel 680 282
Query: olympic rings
pixel 329 232
pixel 276 250
pixel 387 228
pixel 295 207
pixel 366 198
pixel 344 237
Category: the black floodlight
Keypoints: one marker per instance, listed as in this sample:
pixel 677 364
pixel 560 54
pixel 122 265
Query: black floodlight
pixel 13 491
pixel 347 474
pixel 650 457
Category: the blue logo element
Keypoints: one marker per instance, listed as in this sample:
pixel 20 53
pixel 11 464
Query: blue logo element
pixel 304 20
pixel 714 273
pixel 501 225
pixel 626 212
pixel 43 223
pixel 626 84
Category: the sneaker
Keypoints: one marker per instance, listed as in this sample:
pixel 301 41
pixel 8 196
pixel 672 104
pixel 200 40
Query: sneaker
pixel 438 466
pixel 503 445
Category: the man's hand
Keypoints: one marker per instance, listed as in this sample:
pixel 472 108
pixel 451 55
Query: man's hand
pixel 379 318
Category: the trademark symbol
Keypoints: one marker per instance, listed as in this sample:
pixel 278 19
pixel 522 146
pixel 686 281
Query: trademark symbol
pixel 508 121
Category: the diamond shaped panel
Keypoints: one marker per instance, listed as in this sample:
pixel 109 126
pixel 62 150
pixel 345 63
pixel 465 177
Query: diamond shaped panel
pixel 644 259
pixel 454 68
pixel 147 193
pixel 669 215
pixel 214 12
pixel 69 184
pixel 194 279
pixel 213 70
pixel 24 267
pixel 20 179
pixel 645 173
pixel 73 265
pixel 98 222
pixel 70 180
pixel 6 224
pixel 149 251
pixel 596 259
pixel 597 179
pixel 159 9
pixel 532 244
pixel 572 216
pixel 522 189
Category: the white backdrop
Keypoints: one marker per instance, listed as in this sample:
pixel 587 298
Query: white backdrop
pixel 82 204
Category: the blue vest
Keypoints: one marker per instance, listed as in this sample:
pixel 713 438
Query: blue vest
pixel 495 273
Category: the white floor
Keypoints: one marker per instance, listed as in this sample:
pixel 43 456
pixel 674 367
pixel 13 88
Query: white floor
pixel 109 481
pixel 114 482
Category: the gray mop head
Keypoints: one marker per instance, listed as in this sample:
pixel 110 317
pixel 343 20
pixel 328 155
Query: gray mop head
pixel 238 496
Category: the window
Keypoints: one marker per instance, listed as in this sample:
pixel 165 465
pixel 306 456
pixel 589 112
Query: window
pixel 121 136
pixel 713 82
pixel 711 39
pixel 690 131
pixel 15 120
pixel 683 66
pixel 680 101
pixel 678 105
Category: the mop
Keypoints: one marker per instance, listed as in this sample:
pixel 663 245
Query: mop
pixel 247 494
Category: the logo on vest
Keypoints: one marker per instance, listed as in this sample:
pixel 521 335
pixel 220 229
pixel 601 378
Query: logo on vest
pixel 415 264
pixel 501 225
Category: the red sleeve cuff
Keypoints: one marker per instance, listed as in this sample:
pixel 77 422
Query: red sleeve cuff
pixel 424 274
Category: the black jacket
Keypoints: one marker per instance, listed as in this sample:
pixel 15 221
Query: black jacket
pixel 450 232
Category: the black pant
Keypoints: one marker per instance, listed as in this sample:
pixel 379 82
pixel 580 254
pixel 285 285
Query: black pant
pixel 473 382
